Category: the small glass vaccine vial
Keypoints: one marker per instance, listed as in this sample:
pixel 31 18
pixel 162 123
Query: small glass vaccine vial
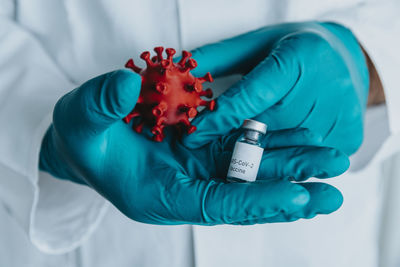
pixel 247 153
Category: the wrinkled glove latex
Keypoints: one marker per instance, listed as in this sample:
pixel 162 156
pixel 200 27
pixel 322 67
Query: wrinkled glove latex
pixel 311 75
pixel 166 183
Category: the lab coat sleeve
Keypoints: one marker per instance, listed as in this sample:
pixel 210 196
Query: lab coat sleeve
pixel 376 24
pixel 56 214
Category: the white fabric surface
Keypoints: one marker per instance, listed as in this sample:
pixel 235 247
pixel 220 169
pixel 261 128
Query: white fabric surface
pixel 48 47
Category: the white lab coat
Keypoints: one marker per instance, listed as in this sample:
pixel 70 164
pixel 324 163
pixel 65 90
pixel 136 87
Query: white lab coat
pixel 48 47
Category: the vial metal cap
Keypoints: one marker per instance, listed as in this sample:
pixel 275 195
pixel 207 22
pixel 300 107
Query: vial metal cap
pixel 255 126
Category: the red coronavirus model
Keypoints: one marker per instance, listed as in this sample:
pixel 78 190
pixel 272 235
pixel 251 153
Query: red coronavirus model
pixel 169 94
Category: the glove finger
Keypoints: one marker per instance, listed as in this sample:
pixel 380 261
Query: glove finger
pixel 303 162
pixel 240 53
pixel 279 139
pixel 324 199
pixel 298 163
pixel 210 202
pixel 291 137
pixel 260 89
pixel 98 103
pixel 228 57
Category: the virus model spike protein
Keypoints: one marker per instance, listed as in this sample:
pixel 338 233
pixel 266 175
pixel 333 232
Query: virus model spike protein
pixel 170 94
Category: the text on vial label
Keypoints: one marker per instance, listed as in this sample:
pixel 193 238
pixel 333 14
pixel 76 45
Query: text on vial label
pixel 245 161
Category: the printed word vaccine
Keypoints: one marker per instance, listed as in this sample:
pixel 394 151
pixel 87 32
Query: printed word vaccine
pixel 247 153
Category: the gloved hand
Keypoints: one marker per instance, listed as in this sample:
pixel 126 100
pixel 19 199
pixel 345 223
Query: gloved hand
pixel 311 75
pixel 166 183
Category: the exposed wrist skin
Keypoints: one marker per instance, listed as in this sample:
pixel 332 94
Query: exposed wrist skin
pixel 376 94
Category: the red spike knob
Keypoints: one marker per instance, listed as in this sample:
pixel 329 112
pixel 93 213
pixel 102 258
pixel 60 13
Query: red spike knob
pixel 192 112
pixel 191 64
pixel 159 50
pixel 162 88
pixel 206 78
pixel 156 130
pixel 191 129
pixel 207 93
pixel 211 105
pixel 158 138
pixel 170 52
pixel 185 56
pixel 131 65
pixel 146 57
pixel 159 110
pixel 139 127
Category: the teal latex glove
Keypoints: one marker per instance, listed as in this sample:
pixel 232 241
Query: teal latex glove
pixel 311 75
pixel 166 183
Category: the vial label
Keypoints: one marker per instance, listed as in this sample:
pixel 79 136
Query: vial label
pixel 245 161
